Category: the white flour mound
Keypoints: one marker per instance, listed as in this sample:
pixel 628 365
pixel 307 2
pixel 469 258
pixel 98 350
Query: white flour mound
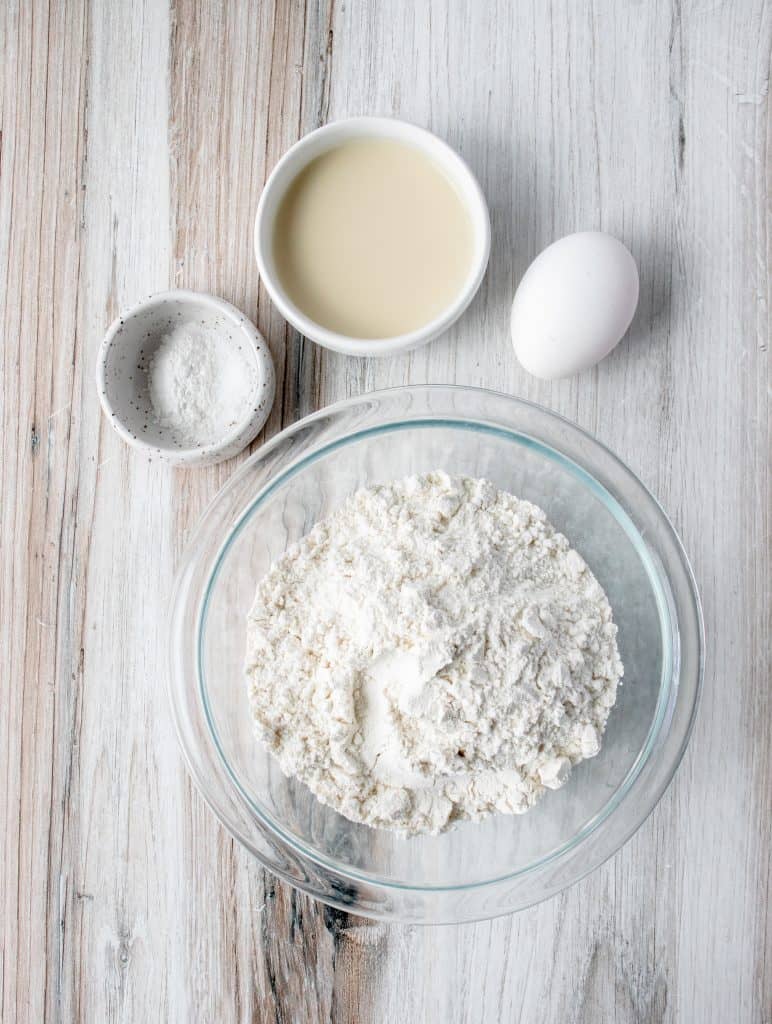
pixel 433 651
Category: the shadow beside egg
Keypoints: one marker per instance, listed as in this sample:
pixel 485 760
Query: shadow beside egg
pixel 657 315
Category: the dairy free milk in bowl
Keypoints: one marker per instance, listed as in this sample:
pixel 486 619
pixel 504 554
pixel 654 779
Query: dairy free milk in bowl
pixel 372 236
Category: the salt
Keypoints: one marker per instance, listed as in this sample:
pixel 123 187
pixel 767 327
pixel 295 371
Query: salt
pixel 198 383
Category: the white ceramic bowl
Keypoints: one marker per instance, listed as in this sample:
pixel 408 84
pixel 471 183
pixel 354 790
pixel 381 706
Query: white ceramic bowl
pixel 121 374
pixel 326 138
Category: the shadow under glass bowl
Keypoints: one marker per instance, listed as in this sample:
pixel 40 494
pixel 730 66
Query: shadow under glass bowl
pixel 504 863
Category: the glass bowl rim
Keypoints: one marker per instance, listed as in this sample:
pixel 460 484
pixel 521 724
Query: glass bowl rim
pixel 658 576
pixel 669 661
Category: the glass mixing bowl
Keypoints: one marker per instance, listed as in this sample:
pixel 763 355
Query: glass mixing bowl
pixel 481 869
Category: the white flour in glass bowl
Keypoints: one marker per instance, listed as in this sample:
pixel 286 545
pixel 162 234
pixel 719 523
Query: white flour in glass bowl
pixel 433 651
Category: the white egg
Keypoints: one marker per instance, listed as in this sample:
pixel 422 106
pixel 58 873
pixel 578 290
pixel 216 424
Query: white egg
pixel 573 305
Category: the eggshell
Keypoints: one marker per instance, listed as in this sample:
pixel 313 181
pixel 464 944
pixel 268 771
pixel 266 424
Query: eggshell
pixel 573 305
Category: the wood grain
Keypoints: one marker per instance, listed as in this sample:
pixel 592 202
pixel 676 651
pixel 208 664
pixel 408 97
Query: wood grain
pixel 135 140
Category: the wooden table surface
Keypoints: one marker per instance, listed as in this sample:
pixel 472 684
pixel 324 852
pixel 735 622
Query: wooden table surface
pixel 135 141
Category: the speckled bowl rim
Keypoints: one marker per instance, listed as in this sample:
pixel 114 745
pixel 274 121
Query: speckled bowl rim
pixel 247 428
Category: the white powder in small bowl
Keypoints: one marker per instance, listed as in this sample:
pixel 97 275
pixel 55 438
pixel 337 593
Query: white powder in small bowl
pixel 199 385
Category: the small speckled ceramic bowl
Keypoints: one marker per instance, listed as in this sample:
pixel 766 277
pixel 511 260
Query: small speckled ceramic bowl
pixel 126 352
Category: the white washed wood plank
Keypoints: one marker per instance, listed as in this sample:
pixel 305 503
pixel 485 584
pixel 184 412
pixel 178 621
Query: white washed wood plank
pixel 121 958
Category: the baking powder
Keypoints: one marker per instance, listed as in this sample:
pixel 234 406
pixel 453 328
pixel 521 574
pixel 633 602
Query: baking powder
pixel 198 384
